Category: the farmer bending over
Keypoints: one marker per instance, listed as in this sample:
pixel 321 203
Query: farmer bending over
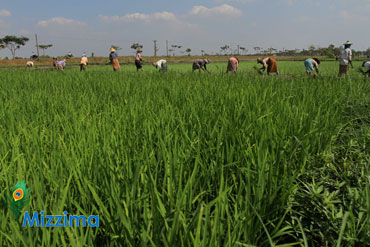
pixel 201 64
pixel 161 64
pixel 61 64
pixel 232 65
pixel 311 64
pixel 270 64
pixel 366 65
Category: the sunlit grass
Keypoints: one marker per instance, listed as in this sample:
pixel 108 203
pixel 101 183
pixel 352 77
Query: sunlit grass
pixel 168 159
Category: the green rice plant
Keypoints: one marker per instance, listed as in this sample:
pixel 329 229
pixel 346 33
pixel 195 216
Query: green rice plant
pixel 185 159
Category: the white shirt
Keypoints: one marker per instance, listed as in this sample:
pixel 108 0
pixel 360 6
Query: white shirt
pixel 160 62
pixel 345 56
pixel 367 65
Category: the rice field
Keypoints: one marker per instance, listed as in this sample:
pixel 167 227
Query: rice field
pixel 188 159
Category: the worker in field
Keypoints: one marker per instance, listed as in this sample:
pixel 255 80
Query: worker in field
pixel 366 65
pixel 345 58
pixel 30 64
pixel 61 64
pixel 269 63
pixel 201 65
pixel 55 62
pixel 84 62
pixel 161 64
pixel 312 64
pixel 232 65
pixel 139 60
pixel 113 57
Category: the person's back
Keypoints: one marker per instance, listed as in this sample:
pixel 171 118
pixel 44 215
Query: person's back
pixel 84 60
pixel 113 55
pixel 161 62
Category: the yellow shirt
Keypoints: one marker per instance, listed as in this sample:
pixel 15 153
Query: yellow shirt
pixel 84 60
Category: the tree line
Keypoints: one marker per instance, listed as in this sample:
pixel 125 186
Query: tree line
pixel 14 43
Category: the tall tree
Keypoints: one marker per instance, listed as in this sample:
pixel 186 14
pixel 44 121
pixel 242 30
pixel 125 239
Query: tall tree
pixel 13 43
pixel 44 47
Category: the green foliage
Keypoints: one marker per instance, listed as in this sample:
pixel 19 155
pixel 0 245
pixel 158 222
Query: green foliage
pixel 330 54
pixel 13 43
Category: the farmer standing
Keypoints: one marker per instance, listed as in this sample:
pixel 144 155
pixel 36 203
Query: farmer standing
pixel 84 62
pixel 201 65
pixel 161 64
pixel 232 65
pixel 269 63
pixel 366 65
pixel 311 64
pixel 139 60
pixel 113 57
pixel 345 58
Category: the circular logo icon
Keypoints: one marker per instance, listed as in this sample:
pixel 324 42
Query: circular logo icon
pixel 18 194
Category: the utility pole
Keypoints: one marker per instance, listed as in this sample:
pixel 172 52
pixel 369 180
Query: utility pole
pixel 155 48
pixel 238 50
pixel 37 46
pixel 167 47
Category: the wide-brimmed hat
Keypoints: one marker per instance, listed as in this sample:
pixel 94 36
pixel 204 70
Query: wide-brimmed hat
pixel 348 43
pixel 139 50
pixel 112 49
pixel 259 60
pixel 207 61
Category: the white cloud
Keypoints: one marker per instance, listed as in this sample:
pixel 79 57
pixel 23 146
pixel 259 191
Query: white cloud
pixel 165 18
pixel 147 18
pixel 61 21
pixel 224 10
pixel 4 13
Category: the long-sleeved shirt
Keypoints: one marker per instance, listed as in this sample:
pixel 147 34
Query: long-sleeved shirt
pixel 112 56
pixel 345 55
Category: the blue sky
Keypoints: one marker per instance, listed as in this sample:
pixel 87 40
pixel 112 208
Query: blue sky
pixel 93 26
